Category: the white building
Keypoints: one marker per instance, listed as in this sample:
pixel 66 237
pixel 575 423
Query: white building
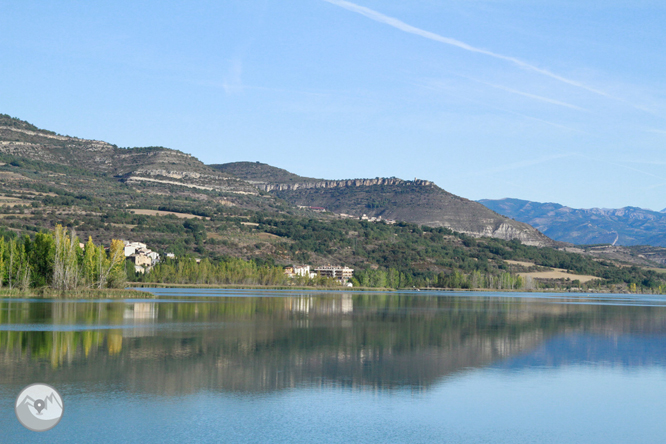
pixel 300 270
pixel 140 254
pixel 131 247
pixel 343 274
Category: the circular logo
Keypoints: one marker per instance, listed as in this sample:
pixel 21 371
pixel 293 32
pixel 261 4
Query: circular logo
pixel 39 407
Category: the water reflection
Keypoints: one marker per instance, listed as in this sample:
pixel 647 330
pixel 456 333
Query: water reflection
pixel 184 344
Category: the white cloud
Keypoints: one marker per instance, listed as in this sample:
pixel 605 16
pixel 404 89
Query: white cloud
pixel 233 82
pixel 398 24
pixel 522 164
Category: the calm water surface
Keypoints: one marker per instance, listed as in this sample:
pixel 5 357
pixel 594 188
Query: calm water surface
pixel 282 366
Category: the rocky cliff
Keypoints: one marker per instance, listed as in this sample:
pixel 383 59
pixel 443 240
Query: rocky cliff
pixel 340 184
pixel 417 201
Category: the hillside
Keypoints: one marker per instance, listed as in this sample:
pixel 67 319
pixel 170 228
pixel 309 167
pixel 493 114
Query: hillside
pixel 260 173
pixel 627 226
pixel 191 209
pixel 418 201
pixel 156 165
pixel 161 171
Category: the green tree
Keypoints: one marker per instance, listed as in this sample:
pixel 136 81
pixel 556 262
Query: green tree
pixel 65 264
pixel 90 267
pixel 2 260
pixel 42 255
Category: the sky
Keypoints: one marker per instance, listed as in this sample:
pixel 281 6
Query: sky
pixel 545 100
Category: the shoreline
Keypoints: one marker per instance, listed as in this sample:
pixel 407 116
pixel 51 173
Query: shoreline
pixel 255 287
pixel 141 290
pixel 87 293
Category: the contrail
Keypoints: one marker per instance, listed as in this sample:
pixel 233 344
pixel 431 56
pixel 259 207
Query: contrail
pixel 521 164
pixel 434 87
pixel 379 17
pixel 535 97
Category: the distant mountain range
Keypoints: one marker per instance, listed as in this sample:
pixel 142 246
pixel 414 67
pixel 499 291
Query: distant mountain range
pixel 627 226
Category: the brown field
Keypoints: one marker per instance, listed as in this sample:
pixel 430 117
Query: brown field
pixel 524 264
pixel 128 226
pixel 8 175
pixel 164 213
pixel 12 201
pixel 559 274
pixel 268 236
pixel 2 216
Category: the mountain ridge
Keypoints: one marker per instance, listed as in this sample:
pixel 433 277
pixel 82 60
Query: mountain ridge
pixel 627 226
pixel 418 201
pixel 153 164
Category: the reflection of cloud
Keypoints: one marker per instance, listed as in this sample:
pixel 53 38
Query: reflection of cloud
pixel 233 83
pixel 379 17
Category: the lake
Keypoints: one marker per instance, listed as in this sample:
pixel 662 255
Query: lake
pixel 209 365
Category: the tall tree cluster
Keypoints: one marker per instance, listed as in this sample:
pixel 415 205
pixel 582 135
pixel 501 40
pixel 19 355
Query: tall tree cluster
pixel 56 260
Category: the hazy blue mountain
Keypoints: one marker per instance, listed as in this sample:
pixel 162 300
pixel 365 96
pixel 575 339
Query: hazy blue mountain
pixel 625 226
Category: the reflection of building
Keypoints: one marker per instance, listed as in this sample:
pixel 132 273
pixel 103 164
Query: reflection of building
pixel 319 305
pixel 141 315
pixel 141 310
pixel 341 273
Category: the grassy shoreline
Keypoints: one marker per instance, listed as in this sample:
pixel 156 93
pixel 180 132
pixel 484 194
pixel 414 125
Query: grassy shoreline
pixel 87 293
pixel 256 287
pixel 132 293
pixel 357 289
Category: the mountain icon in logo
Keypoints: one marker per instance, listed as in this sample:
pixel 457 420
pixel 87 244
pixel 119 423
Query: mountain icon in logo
pixel 39 407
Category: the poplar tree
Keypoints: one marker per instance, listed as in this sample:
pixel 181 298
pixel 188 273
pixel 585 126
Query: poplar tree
pixel 2 261
pixel 90 266
pixel 65 265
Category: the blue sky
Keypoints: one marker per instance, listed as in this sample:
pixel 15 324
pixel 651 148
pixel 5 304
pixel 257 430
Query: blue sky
pixel 561 101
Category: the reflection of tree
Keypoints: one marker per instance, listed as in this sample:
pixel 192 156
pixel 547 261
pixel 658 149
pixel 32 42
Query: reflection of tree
pixel 114 341
pixel 268 343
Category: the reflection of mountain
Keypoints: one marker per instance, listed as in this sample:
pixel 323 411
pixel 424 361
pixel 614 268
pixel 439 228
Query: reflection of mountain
pixel 580 349
pixel 258 344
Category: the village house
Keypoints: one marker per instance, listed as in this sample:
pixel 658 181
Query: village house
pixel 131 247
pixel 300 270
pixel 142 256
pixel 141 260
pixel 343 274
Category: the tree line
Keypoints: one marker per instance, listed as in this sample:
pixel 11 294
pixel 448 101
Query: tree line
pixel 56 260
pixel 228 271
pixel 393 278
